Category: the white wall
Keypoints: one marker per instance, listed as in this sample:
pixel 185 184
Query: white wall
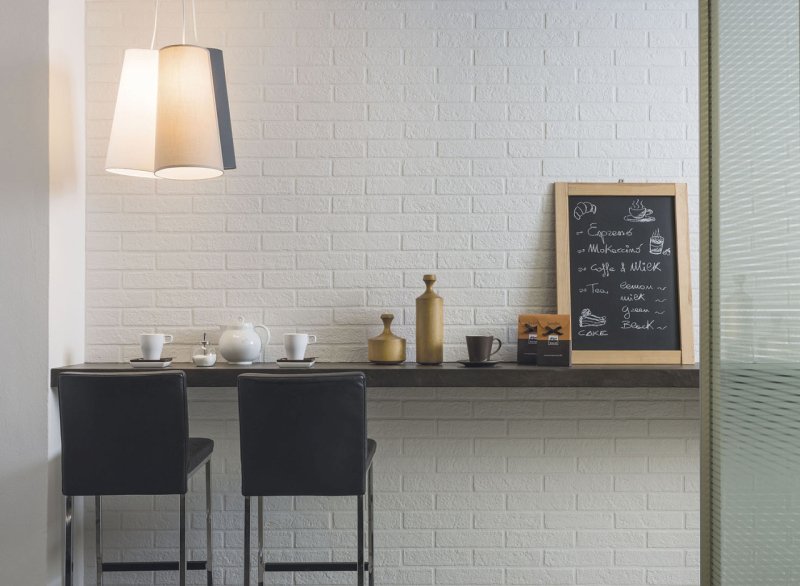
pixel 378 141
pixel 67 245
pixel 23 296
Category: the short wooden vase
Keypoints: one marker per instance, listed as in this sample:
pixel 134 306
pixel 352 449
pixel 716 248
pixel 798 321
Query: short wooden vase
pixel 386 348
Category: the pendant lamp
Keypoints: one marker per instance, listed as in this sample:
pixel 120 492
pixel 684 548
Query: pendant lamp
pixel 172 118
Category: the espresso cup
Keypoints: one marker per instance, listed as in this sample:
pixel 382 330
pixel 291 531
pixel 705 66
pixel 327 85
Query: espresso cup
pixel 153 344
pixel 295 345
pixel 480 347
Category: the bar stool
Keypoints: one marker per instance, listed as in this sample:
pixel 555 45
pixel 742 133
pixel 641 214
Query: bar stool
pixel 305 434
pixel 128 434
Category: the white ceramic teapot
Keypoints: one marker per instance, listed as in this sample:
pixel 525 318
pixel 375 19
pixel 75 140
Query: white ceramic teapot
pixel 240 343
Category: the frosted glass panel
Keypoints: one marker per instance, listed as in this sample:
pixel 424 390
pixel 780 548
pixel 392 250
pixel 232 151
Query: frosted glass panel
pixel 755 326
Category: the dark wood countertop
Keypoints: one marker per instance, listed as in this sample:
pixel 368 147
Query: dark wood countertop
pixel 449 374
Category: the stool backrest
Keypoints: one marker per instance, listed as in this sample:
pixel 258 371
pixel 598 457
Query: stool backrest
pixel 303 434
pixel 123 433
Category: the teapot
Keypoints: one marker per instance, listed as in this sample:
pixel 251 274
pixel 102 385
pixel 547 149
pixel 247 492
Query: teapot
pixel 240 343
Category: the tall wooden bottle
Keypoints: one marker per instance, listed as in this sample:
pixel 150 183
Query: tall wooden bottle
pixel 430 325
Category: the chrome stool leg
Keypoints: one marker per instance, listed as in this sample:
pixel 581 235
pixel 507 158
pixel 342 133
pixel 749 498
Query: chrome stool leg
pixel 360 523
pixel 182 561
pixel 247 541
pixel 68 542
pixel 371 531
pixel 209 537
pixel 98 537
pixel 260 572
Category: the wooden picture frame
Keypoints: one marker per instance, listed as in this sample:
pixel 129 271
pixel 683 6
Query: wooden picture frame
pixel 563 191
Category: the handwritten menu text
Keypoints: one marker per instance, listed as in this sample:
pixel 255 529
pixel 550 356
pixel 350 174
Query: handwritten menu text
pixel 623 273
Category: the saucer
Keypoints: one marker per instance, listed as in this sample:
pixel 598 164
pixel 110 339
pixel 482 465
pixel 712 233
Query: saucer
pixel 304 363
pixel 144 363
pixel 481 364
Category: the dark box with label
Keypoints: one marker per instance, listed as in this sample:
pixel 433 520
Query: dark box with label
pixel 527 326
pixel 553 341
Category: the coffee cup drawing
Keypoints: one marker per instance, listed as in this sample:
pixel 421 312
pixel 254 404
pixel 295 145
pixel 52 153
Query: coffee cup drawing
pixel 638 212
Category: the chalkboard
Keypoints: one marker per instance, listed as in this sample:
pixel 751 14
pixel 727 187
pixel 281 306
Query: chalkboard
pixel 624 253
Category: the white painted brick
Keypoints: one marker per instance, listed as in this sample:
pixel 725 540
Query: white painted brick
pixel 395 148
pixel 293 167
pixel 371 125
pixel 615 576
pixel 225 242
pixel 509 19
pixel 120 222
pixel 580 19
pixel 648 520
pixel 371 20
pixel 369 56
pixel 228 204
pixel 297 130
pixel 439 19
pixel 330 260
pixel 331 223
pixel 460 38
pixel 674 576
pixel 295 242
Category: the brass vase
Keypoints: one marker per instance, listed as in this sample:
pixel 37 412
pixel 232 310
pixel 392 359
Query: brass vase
pixel 386 348
pixel 430 324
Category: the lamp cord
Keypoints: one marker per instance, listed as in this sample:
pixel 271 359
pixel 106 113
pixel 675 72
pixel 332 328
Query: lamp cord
pixel 155 27
pixel 183 32
pixel 194 22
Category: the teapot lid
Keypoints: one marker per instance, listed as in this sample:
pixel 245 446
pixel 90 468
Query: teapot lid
pixel 239 324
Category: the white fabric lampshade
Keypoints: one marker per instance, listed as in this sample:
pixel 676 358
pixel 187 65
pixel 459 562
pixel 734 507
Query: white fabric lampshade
pixel 187 141
pixel 131 146
pixel 172 118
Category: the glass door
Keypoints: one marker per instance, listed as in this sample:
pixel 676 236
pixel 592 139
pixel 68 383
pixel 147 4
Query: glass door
pixel 750 150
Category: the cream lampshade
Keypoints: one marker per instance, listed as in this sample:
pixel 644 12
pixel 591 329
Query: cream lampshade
pixel 172 118
pixel 131 146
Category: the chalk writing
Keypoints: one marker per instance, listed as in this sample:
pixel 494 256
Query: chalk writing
pixel 623 274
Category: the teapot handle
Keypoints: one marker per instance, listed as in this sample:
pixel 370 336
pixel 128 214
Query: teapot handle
pixel 263 341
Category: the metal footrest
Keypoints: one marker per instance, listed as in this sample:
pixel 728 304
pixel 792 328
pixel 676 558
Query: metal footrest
pixel 314 567
pixel 151 566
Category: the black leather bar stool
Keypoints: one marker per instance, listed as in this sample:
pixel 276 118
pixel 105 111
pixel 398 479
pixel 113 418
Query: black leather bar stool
pixel 128 434
pixel 305 434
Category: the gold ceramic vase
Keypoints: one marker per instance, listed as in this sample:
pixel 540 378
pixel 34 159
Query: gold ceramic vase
pixel 430 325
pixel 386 348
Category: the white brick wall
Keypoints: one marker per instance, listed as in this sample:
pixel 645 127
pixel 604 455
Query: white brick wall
pixel 379 140
pixel 473 486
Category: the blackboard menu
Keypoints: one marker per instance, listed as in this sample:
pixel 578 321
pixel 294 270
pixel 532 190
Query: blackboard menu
pixel 623 273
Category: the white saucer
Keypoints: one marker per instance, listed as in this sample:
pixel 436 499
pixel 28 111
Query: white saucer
pixel 142 363
pixel 305 363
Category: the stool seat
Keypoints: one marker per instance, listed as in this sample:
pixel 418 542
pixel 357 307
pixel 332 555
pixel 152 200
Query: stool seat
pixel 199 449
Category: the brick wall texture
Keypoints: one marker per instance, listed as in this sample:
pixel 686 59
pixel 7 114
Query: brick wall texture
pixel 378 141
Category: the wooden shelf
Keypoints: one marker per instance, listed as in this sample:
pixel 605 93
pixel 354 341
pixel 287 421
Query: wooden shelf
pixel 449 374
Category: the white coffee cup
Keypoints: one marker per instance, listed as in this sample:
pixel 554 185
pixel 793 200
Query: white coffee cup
pixel 153 344
pixel 295 345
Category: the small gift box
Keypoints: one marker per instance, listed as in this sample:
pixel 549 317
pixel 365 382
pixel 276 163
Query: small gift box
pixel 527 326
pixel 553 340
